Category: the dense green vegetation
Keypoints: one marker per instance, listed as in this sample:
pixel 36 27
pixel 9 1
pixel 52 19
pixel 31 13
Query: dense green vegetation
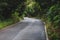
pixel 51 16
pixel 53 19
pixel 32 9
pixel 49 12
pixel 12 11
pixel 9 11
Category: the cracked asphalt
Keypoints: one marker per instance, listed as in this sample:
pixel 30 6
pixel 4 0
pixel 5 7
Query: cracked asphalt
pixel 27 29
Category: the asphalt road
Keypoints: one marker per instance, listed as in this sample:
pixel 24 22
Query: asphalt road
pixel 28 29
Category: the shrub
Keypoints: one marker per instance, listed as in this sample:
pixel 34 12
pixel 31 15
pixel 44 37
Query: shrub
pixel 53 18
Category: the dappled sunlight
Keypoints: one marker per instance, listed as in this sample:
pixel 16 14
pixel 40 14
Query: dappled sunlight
pixel 31 4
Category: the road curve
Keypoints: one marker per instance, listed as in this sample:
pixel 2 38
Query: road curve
pixel 28 29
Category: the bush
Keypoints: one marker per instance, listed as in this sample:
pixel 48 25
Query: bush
pixel 53 18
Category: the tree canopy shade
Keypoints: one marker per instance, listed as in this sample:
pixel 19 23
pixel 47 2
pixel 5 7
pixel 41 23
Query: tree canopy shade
pixel 9 6
pixel 32 8
pixel 47 3
pixel 47 10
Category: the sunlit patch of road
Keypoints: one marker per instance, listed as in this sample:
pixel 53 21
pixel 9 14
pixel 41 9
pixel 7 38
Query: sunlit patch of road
pixel 26 19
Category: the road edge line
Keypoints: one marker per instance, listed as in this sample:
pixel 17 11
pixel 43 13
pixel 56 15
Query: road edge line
pixel 46 32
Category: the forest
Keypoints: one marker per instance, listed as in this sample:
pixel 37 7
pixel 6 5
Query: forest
pixel 12 11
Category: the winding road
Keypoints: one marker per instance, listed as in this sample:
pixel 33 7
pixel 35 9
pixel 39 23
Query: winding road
pixel 27 29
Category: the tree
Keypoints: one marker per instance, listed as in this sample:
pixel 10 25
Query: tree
pixel 7 7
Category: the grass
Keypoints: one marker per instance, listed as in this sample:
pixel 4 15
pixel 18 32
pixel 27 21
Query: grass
pixel 5 23
pixel 10 21
pixel 15 18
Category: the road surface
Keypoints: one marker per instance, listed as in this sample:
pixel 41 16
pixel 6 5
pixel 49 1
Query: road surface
pixel 28 29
